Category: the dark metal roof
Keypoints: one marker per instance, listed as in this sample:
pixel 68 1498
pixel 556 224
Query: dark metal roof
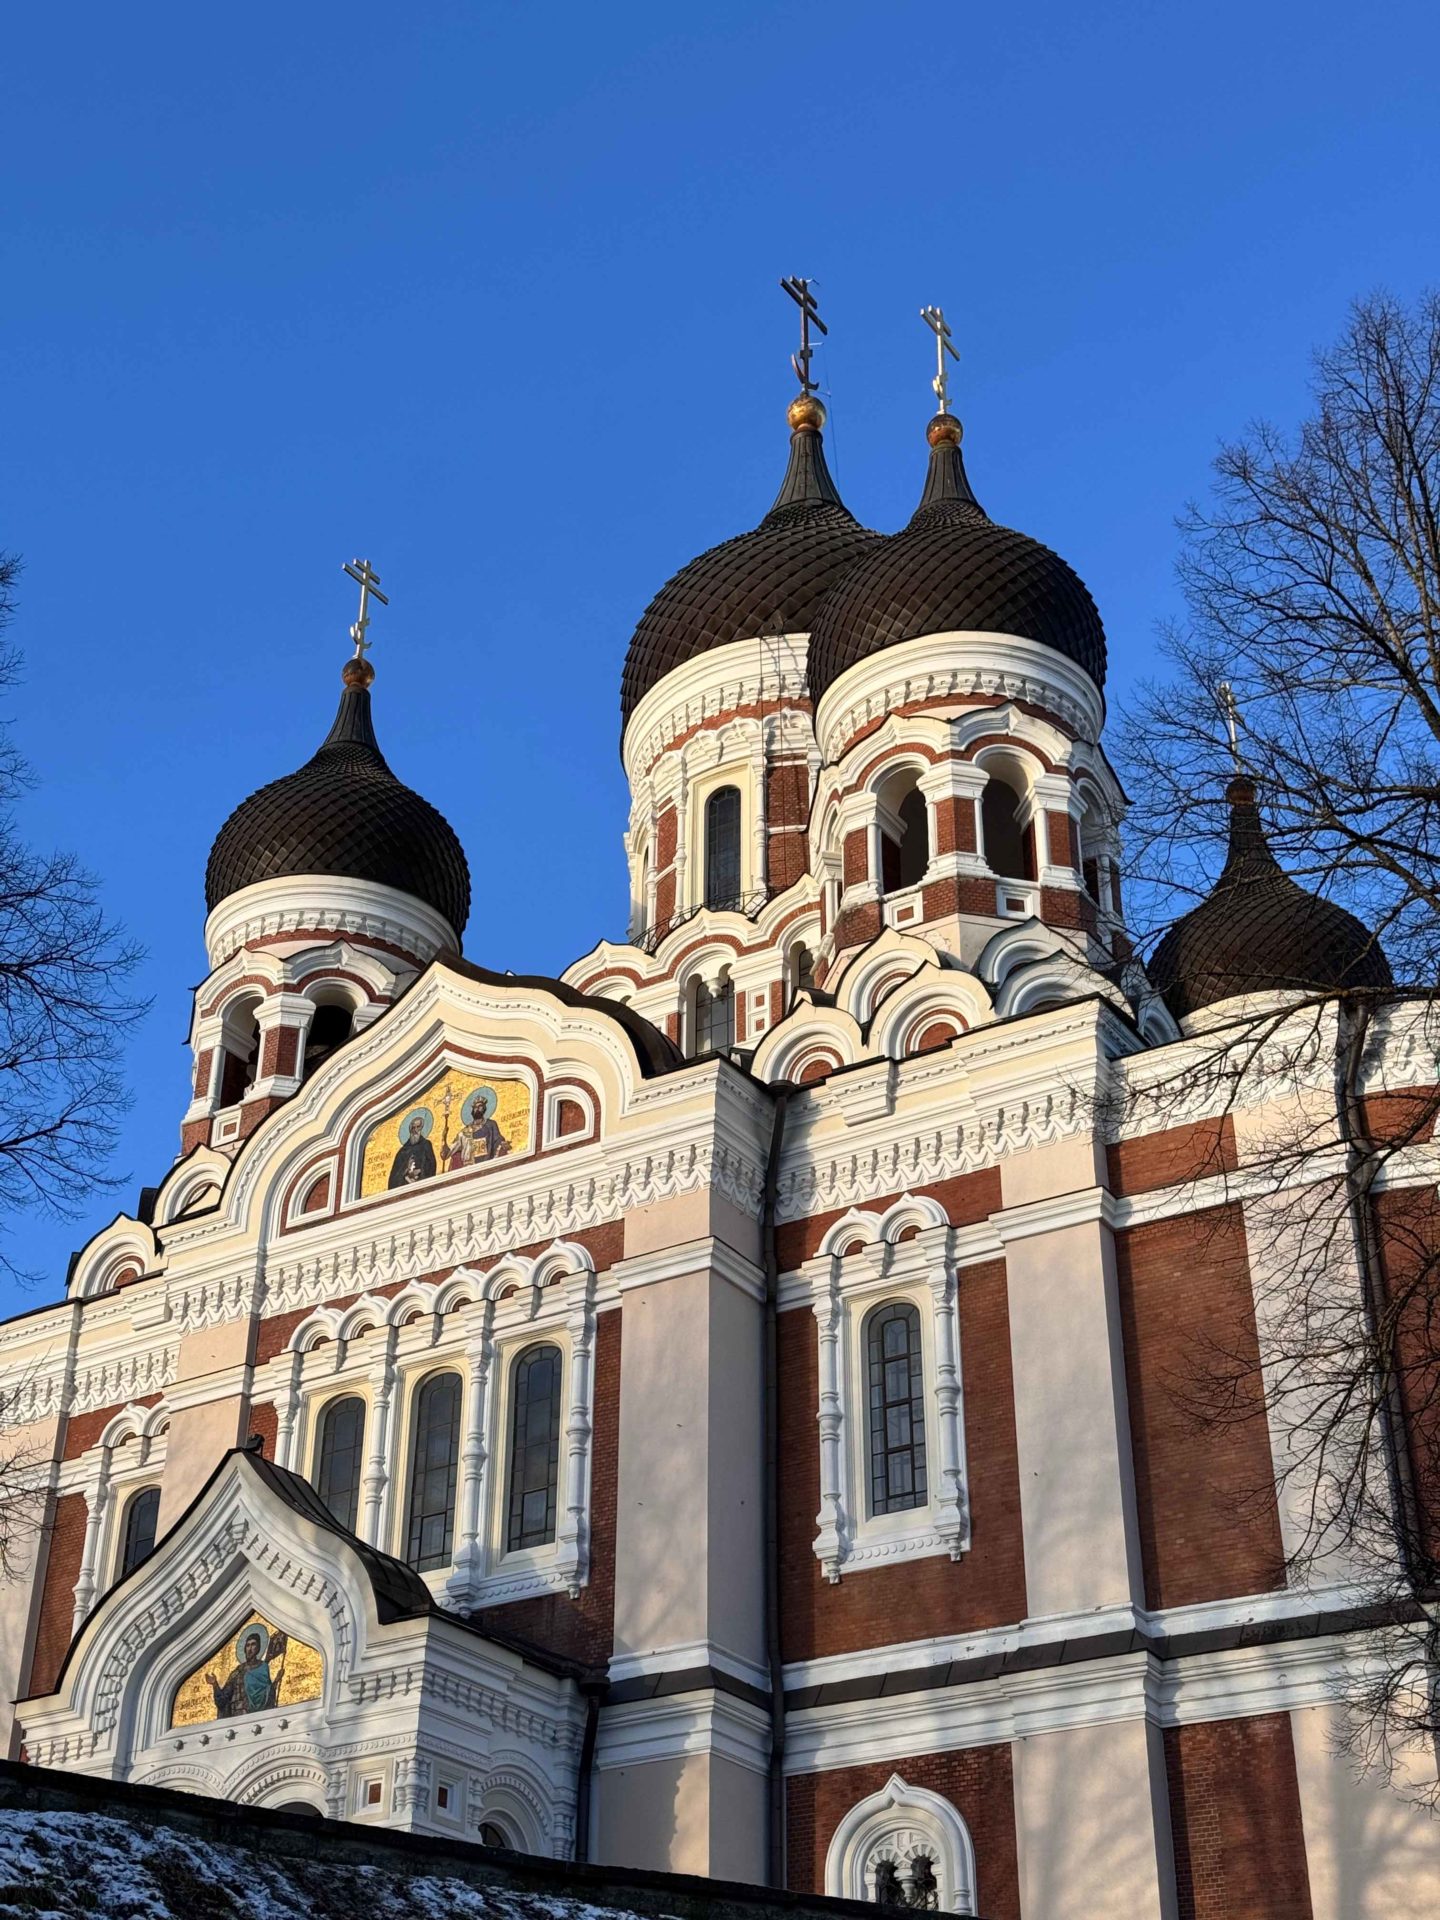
pixel 770 579
pixel 344 812
pixel 1259 932
pixel 655 1051
pixel 952 570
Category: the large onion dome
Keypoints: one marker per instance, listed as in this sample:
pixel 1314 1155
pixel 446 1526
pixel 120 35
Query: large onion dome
pixel 1257 931
pixel 344 812
pixel 770 579
pixel 951 569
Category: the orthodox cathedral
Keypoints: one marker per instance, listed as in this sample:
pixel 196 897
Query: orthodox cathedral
pixel 710 1411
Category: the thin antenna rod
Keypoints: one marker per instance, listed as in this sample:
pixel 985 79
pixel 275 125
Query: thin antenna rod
pixel 1230 709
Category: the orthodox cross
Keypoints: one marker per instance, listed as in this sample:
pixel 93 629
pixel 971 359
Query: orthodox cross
pixel 799 292
pixel 369 580
pixel 934 318
pixel 1230 709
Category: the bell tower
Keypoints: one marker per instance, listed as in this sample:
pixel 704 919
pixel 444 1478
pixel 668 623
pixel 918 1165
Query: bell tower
pixel 328 892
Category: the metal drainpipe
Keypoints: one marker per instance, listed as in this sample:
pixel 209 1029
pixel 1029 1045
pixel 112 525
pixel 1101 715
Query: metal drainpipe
pixel 1359 1180
pixel 770 1256
pixel 592 1693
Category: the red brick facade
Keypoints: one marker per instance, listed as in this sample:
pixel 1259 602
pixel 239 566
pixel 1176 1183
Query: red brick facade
pixel 1209 1524
pixel 978 1783
pixel 65 1550
pixel 877 1606
pixel 1235 1818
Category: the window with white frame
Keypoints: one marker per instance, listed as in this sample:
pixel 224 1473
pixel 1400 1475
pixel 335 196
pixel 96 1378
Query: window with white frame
pixel 890 1418
pixel 434 1469
pixel 534 1465
pixel 904 1847
pixel 895 1407
pixel 138 1528
pixel 454 1420
pixel 340 1457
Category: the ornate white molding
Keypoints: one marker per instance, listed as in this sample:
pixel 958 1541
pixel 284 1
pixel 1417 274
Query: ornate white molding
pixel 329 903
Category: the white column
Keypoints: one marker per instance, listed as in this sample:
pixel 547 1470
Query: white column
pixel 377 1473
pixel 470 1559
pixel 286 1437
pixel 830 1539
pixel 950 1508
pixel 94 1518
pixel 572 1539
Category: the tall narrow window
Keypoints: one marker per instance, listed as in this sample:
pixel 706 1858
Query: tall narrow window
pixel 897 1408
pixel 1007 845
pixel 138 1539
pixel 432 1474
pixel 339 1459
pixel 714 1017
pixel 534 1448
pixel 722 848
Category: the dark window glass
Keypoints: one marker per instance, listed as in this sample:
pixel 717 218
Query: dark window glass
pixel 432 1474
pixel 340 1458
pixel 714 1017
pixel 329 1029
pixel 914 818
pixel 722 848
pixel 492 1834
pixel 140 1518
pixel 897 1409
pixel 534 1448
pixel 1007 847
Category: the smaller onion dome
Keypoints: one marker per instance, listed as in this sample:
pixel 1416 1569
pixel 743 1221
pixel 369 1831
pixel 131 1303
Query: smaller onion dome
pixel 951 569
pixel 1258 931
pixel 778 573
pixel 344 812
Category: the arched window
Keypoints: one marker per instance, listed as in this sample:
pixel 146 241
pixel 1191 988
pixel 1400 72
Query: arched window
pixel 339 1458
pixel 331 1025
pixel 896 1383
pixel 904 1847
pixel 240 1050
pixel 714 1017
pixel 534 1448
pixel 904 833
pixel 492 1834
pixel 1007 845
pixel 138 1536
pixel 800 971
pixel 431 1533
pixel 722 848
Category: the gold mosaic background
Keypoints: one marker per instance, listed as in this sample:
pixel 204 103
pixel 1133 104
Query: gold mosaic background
pixel 301 1678
pixel 511 1115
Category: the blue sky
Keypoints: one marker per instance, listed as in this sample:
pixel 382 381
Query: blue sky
pixel 489 294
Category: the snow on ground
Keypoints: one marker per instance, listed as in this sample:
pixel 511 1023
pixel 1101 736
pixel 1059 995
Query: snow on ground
pixel 70 1866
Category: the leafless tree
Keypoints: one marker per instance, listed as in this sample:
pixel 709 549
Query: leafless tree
pixel 65 1004
pixel 1312 583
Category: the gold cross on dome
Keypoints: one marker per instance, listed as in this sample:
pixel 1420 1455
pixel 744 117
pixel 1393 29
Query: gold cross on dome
pixel 934 318
pixel 799 292
pixel 369 580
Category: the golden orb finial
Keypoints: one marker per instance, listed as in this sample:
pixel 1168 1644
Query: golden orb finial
pixel 357 672
pixel 805 414
pixel 944 431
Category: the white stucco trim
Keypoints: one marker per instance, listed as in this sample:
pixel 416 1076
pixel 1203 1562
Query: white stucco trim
pixel 298 903
pixel 896 1825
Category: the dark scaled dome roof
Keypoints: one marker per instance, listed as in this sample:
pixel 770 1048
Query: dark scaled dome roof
pixel 1257 931
pixel 773 577
pixel 344 812
pixel 951 569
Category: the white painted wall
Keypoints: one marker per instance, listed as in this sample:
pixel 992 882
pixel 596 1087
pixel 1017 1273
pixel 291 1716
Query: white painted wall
pixel 1092 1824
pixel 1372 1854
